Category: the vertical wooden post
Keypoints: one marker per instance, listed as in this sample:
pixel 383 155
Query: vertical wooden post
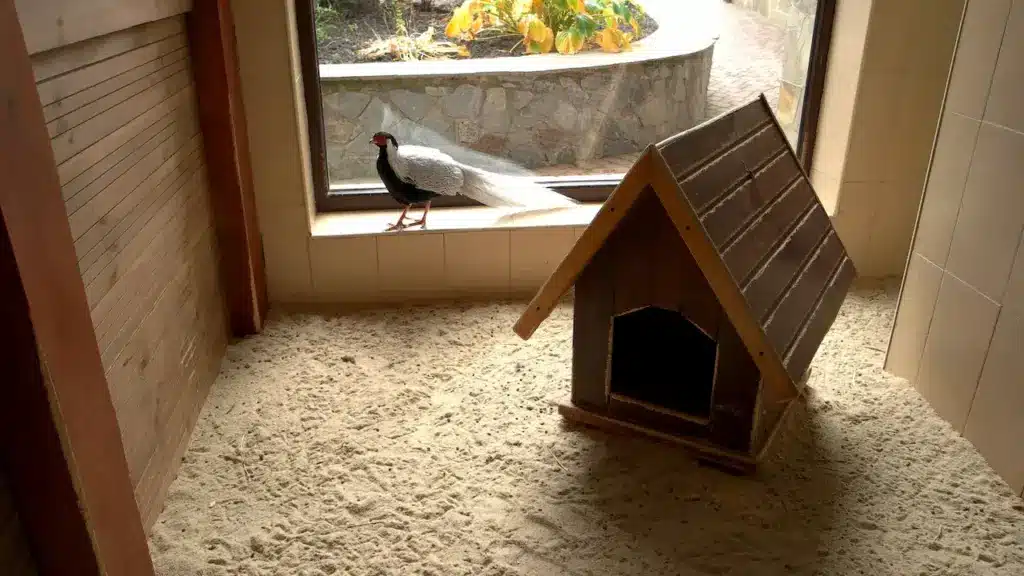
pixel 60 438
pixel 211 35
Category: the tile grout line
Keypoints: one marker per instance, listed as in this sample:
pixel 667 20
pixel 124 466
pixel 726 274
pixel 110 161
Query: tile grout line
pixel 981 372
pixel 1013 265
pixel 995 66
pixel 376 248
pixel 981 122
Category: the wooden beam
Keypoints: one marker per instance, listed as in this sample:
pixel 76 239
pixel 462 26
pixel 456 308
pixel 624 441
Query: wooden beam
pixel 222 118
pixel 49 24
pixel 60 435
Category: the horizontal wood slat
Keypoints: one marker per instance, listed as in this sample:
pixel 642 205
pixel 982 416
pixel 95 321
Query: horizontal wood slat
pixel 117 139
pixel 122 114
pixel 139 353
pixel 91 131
pixel 111 167
pixel 135 306
pixel 76 117
pixel 702 143
pixel 52 24
pixel 122 299
pixel 91 220
pixel 144 213
pixel 768 284
pixel 722 176
pixel 761 237
pixel 201 328
pixel 737 211
pixel 79 99
pixel 799 359
pixel 798 303
pixel 69 91
pixel 93 52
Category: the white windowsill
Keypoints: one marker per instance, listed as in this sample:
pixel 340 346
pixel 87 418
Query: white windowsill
pixel 440 220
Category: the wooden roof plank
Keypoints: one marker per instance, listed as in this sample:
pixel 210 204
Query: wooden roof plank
pixel 787 218
pixel 697 146
pixel 798 302
pixel 766 287
pixel 825 313
pixel 734 304
pixel 710 185
pixel 734 216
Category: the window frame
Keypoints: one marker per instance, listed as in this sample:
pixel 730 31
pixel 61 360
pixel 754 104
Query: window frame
pixel 583 188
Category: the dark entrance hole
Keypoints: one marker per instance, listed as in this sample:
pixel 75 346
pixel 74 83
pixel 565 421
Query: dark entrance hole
pixel 659 357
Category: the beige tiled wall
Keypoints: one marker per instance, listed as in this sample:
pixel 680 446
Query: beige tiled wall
pixel 423 266
pixel 272 94
pixel 959 330
pixel 880 112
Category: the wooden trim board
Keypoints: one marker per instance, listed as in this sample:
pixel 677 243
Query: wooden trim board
pixel 226 143
pixel 732 461
pixel 78 408
pixel 50 24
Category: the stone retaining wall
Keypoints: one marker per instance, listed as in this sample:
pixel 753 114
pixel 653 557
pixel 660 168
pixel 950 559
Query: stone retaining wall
pixel 531 119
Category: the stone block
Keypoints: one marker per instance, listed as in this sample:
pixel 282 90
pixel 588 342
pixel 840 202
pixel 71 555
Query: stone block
pixel 413 105
pixel 464 102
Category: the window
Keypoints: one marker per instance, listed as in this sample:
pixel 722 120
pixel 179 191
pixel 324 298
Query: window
pixel 574 120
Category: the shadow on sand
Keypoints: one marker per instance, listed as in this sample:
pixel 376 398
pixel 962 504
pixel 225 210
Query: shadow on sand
pixel 662 513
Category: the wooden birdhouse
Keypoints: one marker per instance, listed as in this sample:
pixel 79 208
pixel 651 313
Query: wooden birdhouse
pixel 703 289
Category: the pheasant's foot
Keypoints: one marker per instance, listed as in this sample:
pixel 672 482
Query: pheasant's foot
pixel 423 220
pixel 400 225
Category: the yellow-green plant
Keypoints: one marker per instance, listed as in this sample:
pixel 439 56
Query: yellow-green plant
pixel 567 26
pixel 422 47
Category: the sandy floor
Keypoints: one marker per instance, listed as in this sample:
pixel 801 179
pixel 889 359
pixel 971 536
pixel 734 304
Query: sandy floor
pixel 425 442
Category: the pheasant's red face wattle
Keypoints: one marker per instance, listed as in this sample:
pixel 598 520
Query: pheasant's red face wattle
pixel 380 140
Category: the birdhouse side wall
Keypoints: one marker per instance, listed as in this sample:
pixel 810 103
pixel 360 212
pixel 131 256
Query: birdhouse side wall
pixel 649 264
pixel 736 393
pixel 591 330
pixel 645 262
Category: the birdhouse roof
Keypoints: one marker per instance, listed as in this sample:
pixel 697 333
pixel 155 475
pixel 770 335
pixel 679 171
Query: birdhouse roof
pixel 746 210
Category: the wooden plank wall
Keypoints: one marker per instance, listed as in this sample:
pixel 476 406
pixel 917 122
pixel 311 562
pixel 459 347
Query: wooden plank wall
pixel 15 555
pixel 121 114
pixel 49 24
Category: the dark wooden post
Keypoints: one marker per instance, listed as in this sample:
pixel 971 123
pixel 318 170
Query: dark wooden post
pixel 60 440
pixel 211 35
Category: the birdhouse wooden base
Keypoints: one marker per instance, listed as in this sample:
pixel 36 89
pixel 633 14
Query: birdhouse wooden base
pixel 703 288
pixel 712 454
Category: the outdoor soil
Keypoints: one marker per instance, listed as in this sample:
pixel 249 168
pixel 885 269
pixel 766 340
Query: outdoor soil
pixel 341 35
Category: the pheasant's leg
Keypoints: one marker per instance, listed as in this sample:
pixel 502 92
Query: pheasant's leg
pixel 422 221
pixel 399 225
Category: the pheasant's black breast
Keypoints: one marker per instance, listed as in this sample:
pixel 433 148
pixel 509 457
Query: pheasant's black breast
pixel 403 192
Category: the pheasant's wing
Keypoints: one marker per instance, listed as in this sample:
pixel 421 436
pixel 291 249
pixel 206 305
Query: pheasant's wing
pixel 429 169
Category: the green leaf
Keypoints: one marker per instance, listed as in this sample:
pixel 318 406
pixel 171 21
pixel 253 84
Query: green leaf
pixel 621 10
pixel 585 25
pixel 594 6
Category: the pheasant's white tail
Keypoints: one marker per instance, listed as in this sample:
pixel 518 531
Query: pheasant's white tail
pixel 502 191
